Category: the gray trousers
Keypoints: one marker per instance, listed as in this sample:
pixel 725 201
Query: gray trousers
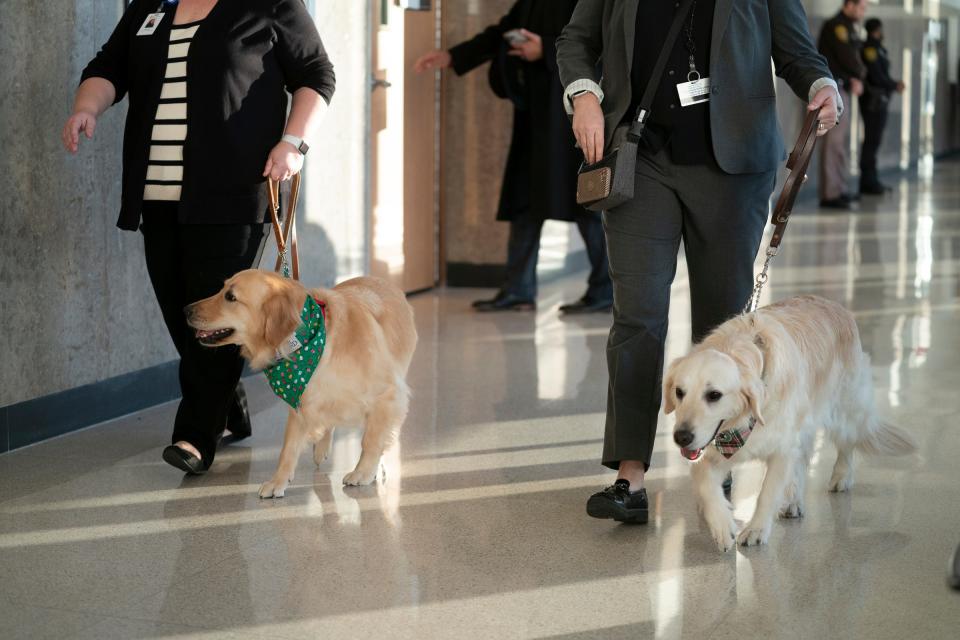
pixel 834 162
pixel 720 219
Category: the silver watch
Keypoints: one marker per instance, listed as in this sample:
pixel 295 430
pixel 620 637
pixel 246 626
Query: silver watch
pixel 299 143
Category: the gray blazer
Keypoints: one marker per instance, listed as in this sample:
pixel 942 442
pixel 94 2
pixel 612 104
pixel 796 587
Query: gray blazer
pixel 746 34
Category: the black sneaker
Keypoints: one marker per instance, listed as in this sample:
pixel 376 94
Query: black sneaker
pixel 618 503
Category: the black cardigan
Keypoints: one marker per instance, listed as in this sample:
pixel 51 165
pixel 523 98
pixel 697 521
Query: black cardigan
pixel 243 56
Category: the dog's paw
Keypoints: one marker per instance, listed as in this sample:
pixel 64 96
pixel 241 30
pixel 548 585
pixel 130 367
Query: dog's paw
pixel 358 477
pixel 754 534
pixel 792 510
pixel 723 529
pixel 273 488
pixel 840 483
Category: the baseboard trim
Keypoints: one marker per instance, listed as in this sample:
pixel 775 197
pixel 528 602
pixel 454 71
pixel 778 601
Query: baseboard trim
pixel 32 421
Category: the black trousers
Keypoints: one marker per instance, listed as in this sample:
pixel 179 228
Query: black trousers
pixel 523 248
pixel 186 263
pixel 874 122
pixel 719 217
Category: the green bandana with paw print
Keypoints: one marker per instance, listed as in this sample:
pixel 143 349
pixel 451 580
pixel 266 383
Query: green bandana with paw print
pixel 289 376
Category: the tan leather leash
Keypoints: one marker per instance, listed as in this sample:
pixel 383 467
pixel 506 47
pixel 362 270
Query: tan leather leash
pixel 797 163
pixel 286 236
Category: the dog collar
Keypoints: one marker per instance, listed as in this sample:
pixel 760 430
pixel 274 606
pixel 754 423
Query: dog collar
pixel 289 376
pixel 726 442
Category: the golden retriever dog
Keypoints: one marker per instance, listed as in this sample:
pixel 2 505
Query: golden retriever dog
pixel 361 375
pixel 787 370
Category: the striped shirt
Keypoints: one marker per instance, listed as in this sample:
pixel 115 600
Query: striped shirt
pixel 165 163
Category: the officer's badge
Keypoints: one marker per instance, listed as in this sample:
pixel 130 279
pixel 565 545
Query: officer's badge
pixel 843 35
pixel 870 54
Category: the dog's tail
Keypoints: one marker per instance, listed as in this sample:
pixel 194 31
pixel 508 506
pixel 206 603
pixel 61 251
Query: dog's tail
pixel 888 440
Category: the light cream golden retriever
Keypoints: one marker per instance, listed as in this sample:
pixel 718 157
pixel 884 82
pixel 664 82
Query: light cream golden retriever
pixel 793 367
pixel 371 338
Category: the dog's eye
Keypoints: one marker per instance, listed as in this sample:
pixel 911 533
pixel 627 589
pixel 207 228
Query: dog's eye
pixel 229 296
pixel 713 396
pixel 680 393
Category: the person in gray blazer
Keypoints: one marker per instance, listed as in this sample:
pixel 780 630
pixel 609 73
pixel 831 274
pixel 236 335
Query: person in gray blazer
pixel 705 172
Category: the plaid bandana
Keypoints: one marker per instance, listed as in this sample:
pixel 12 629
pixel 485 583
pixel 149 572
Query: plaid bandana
pixel 726 442
pixel 289 376
pixel 729 442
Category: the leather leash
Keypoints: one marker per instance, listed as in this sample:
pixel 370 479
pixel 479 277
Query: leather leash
pixel 286 236
pixel 797 163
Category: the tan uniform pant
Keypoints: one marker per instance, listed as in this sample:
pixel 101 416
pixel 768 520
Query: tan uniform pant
pixel 834 162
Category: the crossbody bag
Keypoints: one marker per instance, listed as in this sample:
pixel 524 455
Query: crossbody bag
pixel 609 182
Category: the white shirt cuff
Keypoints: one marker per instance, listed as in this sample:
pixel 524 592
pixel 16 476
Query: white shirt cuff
pixel 579 86
pixel 826 82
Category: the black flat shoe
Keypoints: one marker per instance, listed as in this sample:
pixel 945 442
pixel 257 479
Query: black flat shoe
pixel 186 462
pixel 586 305
pixel 618 503
pixel 508 302
pixel 238 419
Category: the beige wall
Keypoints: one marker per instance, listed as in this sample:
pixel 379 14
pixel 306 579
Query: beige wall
pixel 475 136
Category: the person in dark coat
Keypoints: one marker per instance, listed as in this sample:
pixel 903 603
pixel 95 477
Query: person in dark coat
pixel 874 103
pixel 540 179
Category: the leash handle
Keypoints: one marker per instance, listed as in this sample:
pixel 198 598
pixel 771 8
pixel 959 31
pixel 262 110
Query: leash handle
pixel 797 163
pixel 285 235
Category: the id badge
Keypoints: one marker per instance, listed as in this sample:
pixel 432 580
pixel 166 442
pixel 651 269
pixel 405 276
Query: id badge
pixel 150 24
pixel 694 92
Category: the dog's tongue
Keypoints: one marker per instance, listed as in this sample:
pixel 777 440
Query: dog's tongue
pixel 690 454
pixel 204 334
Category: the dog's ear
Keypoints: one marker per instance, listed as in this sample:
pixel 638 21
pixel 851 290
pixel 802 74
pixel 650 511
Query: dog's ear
pixel 281 316
pixel 669 397
pixel 754 394
pixel 750 362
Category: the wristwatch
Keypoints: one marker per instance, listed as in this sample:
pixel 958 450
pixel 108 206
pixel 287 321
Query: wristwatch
pixel 299 143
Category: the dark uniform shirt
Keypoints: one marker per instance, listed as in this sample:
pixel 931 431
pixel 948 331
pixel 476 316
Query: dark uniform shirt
pixel 840 45
pixel 685 130
pixel 879 85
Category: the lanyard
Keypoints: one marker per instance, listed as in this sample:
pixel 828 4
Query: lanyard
pixel 693 74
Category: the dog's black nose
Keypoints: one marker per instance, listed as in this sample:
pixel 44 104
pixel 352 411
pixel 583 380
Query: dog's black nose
pixel 188 311
pixel 683 437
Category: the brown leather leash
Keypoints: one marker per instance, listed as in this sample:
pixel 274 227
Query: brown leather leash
pixel 797 163
pixel 286 236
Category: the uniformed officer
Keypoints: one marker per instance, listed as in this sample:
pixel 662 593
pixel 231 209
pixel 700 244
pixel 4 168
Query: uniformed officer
pixel 874 104
pixel 840 45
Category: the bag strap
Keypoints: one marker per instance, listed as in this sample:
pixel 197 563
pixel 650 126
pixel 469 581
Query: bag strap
pixel 643 111
pixel 797 163
pixel 286 237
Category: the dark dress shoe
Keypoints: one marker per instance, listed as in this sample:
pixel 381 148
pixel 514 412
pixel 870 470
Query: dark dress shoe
pixel 186 462
pixel 586 305
pixel 618 503
pixel 238 418
pixel 843 204
pixel 505 302
pixel 877 189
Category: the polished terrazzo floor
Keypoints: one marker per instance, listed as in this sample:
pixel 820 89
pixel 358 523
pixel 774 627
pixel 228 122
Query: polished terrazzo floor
pixel 478 530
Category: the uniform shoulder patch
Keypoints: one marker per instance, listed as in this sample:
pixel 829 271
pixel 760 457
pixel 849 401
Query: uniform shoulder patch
pixel 841 32
pixel 870 54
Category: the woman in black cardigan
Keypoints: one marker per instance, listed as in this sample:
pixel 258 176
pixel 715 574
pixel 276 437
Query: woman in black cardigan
pixel 206 124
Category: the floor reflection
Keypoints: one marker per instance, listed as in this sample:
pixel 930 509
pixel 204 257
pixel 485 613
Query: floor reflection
pixel 477 529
